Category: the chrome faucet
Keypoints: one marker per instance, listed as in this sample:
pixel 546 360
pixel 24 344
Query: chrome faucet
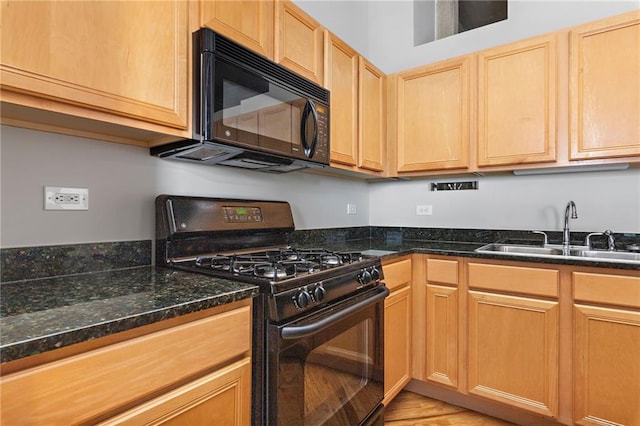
pixel 566 235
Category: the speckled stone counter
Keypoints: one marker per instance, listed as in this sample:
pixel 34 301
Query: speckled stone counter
pixel 38 314
pixel 43 314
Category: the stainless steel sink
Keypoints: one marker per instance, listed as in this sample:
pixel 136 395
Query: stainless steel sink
pixel 520 249
pixel 555 251
pixel 607 255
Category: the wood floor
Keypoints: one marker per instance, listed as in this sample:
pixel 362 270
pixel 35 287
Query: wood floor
pixel 411 409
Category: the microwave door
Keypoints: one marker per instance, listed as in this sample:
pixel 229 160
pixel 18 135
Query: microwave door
pixel 238 97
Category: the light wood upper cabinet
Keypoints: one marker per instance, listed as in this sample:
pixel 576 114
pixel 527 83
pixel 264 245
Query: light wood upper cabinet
pixel 607 348
pixel 433 104
pixel 358 109
pixel 299 41
pixel 248 22
pixel 605 88
pixel 517 103
pixel 342 80
pixel 372 119
pixel 121 62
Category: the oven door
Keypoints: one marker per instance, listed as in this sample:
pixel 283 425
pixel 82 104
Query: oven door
pixel 327 368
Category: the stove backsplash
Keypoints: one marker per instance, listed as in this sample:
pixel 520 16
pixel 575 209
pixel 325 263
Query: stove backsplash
pixel 26 263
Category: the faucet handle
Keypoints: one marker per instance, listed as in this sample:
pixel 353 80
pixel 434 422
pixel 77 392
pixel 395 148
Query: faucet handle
pixel 611 241
pixel 587 240
pixel 546 238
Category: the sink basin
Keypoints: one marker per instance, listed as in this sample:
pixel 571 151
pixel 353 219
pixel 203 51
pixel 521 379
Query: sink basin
pixel 553 250
pixel 520 249
pixel 608 255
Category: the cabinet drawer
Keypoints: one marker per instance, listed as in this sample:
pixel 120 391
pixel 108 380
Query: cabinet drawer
pixel 442 271
pixel 514 279
pixel 608 289
pixel 397 274
pixel 81 387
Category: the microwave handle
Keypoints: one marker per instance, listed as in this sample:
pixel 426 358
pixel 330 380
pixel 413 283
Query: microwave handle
pixel 309 146
pixel 297 332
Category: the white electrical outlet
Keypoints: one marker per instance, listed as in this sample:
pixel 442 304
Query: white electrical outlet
pixel 58 198
pixel 352 209
pixel 424 210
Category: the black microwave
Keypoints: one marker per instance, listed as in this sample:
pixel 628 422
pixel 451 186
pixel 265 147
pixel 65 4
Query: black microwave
pixel 250 112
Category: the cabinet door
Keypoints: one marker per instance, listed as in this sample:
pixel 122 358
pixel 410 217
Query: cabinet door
pixel 442 313
pixel 513 351
pixel 397 342
pixel 372 119
pixel 299 41
pixel 249 22
pixel 342 80
pixel 607 366
pixel 442 335
pixel 517 100
pixel 397 327
pixel 125 58
pixel 606 348
pixel 222 398
pixel 605 88
pixel 433 116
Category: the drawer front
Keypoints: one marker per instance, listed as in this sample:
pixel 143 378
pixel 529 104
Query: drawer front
pixel 442 271
pixel 608 289
pixel 514 279
pixel 81 387
pixel 397 274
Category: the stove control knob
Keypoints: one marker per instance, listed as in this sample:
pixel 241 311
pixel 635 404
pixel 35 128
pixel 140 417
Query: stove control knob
pixel 318 293
pixel 375 274
pixel 364 277
pixel 302 299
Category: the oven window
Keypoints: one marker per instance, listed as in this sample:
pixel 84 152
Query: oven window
pixel 333 377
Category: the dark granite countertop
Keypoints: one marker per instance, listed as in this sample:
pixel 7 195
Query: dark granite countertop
pixel 43 314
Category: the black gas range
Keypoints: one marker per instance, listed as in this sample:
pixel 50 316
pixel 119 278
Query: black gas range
pixel 327 304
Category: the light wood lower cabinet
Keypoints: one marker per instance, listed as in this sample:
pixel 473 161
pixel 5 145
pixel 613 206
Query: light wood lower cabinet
pixel 397 327
pixel 606 349
pixel 219 398
pixel 513 339
pixel 175 373
pixel 441 340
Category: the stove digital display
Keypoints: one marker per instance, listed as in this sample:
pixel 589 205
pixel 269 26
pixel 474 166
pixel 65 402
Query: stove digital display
pixel 236 214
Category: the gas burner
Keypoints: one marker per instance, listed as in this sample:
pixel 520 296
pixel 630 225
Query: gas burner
pixel 275 271
pixel 218 263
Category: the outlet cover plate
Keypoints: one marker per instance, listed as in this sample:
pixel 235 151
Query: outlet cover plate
pixel 63 198
pixel 352 209
pixel 424 210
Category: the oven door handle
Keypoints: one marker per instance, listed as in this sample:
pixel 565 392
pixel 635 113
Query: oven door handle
pixel 297 332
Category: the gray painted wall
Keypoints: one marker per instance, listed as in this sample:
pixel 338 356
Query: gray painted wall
pixel 123 182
